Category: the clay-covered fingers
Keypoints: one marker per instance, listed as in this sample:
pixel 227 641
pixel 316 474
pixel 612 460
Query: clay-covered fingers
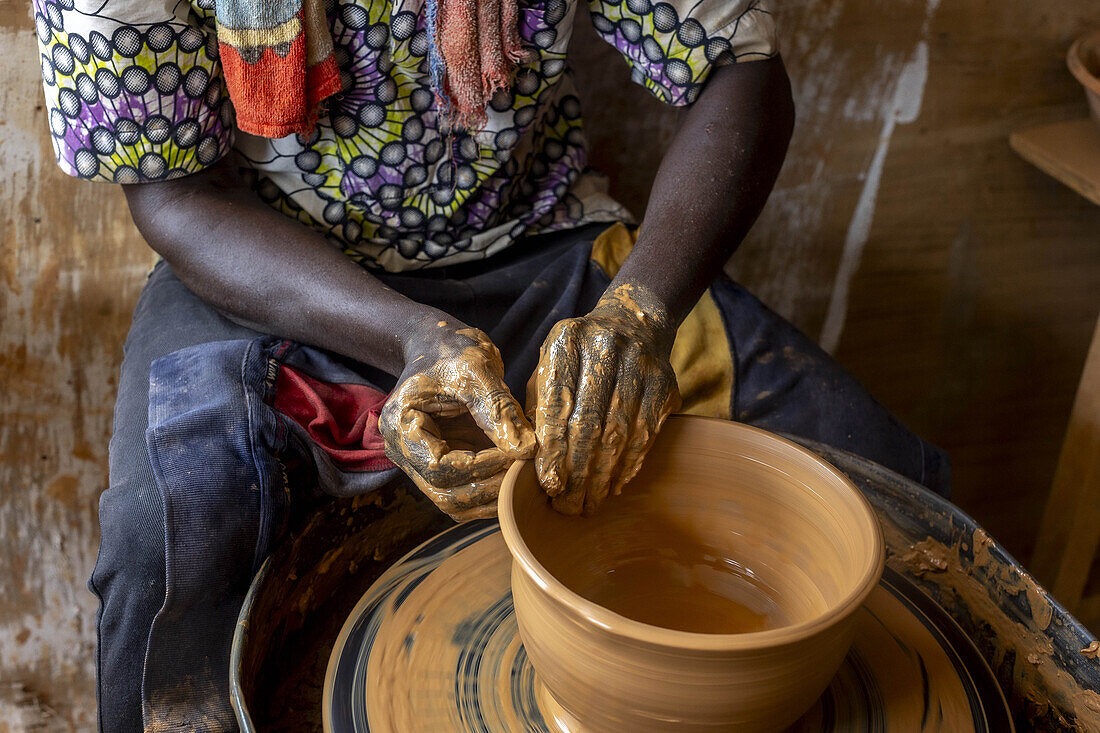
pixel 467 382
pixel 413 442
pixel 592 443
pixel 556 386
pixel 618 426
pixel 477 500
pixel 452 425
pixel 463 483
pixel 479 386
pixel 500 416
pixel 602 390
pixel 601 397
pixel 660 399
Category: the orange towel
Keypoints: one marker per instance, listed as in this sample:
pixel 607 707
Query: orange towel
pixel 278 62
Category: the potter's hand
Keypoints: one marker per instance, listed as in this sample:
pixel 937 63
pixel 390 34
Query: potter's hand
pixel 602 390
pixel 451 424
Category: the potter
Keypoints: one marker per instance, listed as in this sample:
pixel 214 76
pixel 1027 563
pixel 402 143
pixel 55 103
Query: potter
pixel 368 249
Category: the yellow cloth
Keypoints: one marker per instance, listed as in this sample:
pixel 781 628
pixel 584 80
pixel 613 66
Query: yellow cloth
pixel 701 355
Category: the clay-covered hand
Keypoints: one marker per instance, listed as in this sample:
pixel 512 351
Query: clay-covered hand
pixel 452 425
pixel 603 388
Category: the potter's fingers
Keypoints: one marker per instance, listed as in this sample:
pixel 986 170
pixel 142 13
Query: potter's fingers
pixel 596 383
pixel 455 467
pixel 411 436
pixel 556 378
pixel 476 500
pixel 460 467
pixel 630 388
pixel 429 395
pixel 497 412
pixel 616 432
pixel 423 393
pixel 600 470
pixel 421 447
pixel 658 401
pixel 389 421
pixel 437 405
pixel 531 396
pixel 487 510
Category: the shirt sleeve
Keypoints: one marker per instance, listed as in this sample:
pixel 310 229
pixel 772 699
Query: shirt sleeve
pixel 134 90
pixel 673 46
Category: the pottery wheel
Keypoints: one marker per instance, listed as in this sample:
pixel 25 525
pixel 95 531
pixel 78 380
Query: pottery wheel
pixel 433 646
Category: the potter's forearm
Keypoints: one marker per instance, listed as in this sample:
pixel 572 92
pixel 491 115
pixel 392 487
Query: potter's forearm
pixel 605 384
pixel 267 271
pixel 712 183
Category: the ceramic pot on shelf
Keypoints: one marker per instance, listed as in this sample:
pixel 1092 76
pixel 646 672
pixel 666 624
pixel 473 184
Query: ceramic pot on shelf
pixel 1083 60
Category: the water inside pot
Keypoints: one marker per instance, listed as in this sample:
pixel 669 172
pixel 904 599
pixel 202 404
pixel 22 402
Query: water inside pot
pixel 686 588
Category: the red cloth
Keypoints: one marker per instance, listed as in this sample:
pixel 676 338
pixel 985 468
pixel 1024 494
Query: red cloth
pixel 340 418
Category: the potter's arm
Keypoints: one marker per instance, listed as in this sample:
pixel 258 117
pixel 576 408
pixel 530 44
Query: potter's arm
pixel 605 384
pixel 267 271
pixel 712 183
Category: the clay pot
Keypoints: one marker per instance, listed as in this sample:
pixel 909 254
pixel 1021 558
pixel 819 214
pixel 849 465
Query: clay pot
pixel 1083 60
pixel 720 509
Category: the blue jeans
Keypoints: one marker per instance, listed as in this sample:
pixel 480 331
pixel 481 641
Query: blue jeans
pixel 198 494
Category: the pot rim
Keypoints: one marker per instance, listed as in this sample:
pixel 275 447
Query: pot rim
pixel 1077 66
pixel 647 634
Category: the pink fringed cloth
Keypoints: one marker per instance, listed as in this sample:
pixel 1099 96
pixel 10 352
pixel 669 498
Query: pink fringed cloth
pixel 479 44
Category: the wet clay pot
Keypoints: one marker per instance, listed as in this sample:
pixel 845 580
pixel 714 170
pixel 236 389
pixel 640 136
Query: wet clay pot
pixel 726 529
pixel 1083 61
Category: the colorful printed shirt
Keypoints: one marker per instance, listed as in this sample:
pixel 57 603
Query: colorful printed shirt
pixel 135 93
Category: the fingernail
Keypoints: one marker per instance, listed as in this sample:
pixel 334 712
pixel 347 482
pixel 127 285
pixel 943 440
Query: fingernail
pixel 549 478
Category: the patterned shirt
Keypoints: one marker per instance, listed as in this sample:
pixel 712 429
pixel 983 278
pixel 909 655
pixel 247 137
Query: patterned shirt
pixel 135 93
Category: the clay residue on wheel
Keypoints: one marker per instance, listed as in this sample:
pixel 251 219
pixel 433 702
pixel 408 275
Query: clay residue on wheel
pixel 312 582
pixel 1051 692
pixel 927 556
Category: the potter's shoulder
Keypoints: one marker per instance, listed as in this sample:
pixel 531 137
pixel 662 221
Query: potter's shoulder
pixel 133 88
pixel 673 45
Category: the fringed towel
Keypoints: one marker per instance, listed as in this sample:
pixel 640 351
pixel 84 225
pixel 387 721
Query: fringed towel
pixel 474 47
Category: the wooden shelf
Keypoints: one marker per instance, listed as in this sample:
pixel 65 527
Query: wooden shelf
pixel 1068 151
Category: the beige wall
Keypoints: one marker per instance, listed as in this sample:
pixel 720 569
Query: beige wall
pixel 71 266
pixel 960 284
